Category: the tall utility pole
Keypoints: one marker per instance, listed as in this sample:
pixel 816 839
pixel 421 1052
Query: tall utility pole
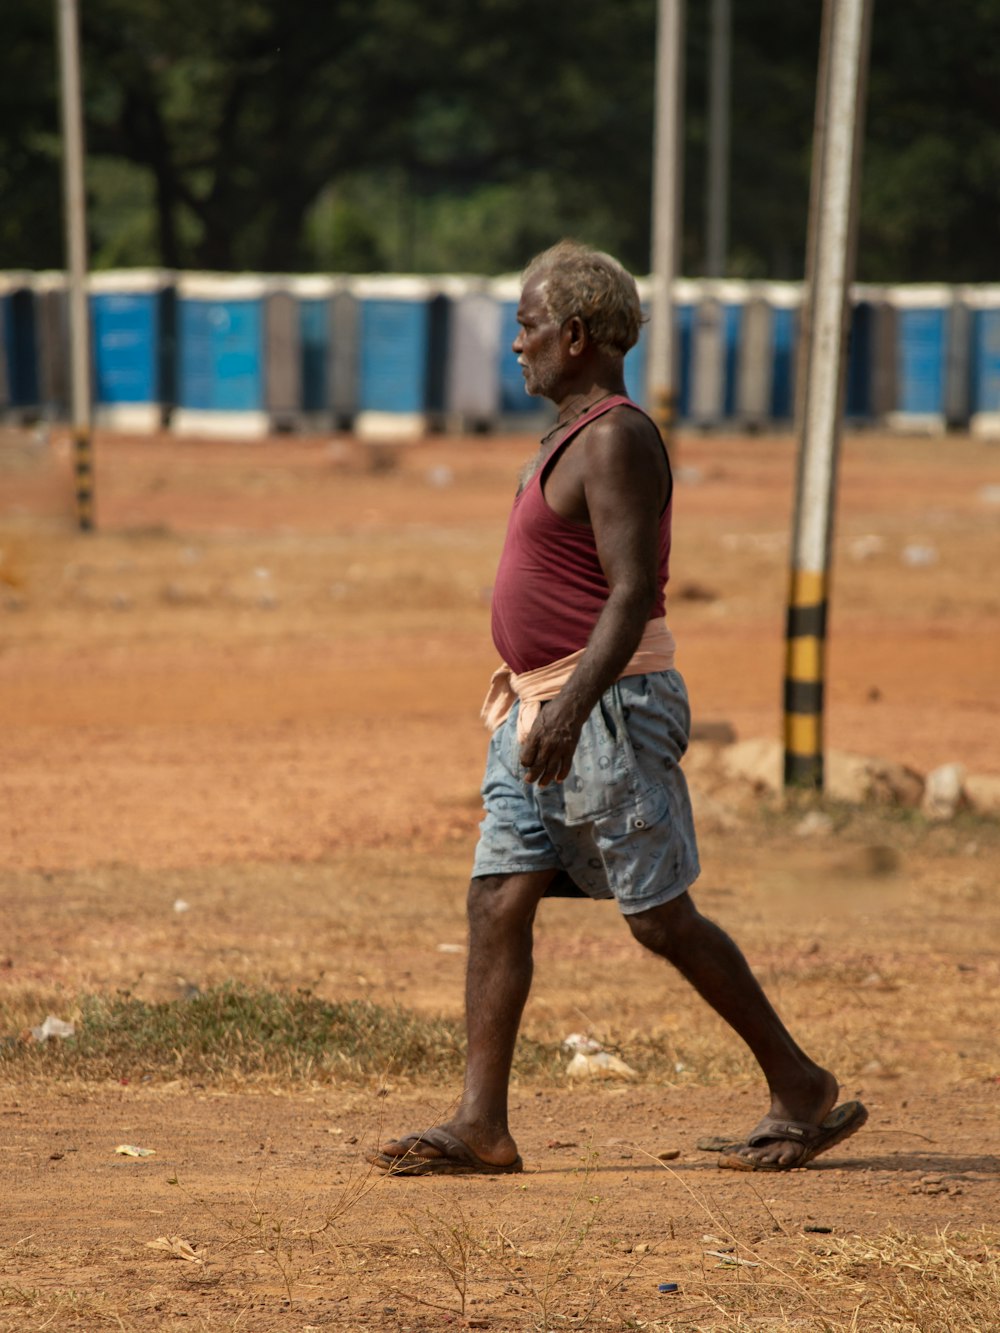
pixel 661 357
pixel 75 208
pixel 717 175
pixel 843 70
pixel 815 183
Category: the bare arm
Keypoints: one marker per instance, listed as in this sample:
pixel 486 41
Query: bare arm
pixel 622 482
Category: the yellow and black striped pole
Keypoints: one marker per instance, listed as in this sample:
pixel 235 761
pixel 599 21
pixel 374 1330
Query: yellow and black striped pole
pixel 83 470
pixel 805 678
pixel 833 209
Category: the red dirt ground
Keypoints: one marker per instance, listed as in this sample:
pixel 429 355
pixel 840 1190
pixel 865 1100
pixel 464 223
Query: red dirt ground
pixel 255 688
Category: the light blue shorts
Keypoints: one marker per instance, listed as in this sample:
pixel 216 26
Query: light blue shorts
pixel 620 825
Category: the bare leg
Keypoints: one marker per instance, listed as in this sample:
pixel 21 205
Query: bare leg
pixel 706 957
pixel 498 977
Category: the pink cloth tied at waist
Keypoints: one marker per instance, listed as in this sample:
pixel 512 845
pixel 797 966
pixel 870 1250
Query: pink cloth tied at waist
pixel 656 652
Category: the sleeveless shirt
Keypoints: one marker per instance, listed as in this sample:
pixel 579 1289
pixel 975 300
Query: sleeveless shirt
pixel 550 587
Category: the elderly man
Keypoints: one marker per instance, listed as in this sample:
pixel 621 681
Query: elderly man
pixel 583 788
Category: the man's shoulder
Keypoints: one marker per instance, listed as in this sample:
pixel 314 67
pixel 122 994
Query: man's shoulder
pixel 624 428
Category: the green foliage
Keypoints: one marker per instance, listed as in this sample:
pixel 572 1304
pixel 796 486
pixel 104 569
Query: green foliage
pixel 931 185
pixel 122 217
pixel 30 221
pixel 392 134
pixel 374 221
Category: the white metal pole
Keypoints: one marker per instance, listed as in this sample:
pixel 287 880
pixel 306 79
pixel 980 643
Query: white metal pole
pixel 717 175
pixel 75 208
pixel 819 128
pixel 666 221
pixel 833 230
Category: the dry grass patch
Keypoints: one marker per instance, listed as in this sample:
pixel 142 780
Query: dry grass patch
pixel 945 1283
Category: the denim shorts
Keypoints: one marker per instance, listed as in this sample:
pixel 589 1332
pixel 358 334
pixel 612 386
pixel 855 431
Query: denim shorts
pixel 620 826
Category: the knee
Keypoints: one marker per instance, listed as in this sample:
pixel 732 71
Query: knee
pixel 501 902
pixel 665 930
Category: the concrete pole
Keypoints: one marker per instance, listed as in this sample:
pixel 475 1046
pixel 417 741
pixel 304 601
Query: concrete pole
pixel 75 207
pixel 815 180
pixel 661 360
pixel 717 176
pixel 833 233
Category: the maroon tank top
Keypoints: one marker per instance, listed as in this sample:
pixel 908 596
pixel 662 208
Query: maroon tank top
pixel 550 587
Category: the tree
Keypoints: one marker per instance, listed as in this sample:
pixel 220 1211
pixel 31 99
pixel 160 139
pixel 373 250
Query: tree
pixel 246 113
pixel 282 134
pixel 30 218
pixel 931 192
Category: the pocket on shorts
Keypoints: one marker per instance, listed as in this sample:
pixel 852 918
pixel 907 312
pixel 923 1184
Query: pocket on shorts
pixel 629 837
pixel 643 811
pixel 604 778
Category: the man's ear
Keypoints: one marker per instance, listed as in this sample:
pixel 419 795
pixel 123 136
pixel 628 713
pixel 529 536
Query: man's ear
pixel 577 335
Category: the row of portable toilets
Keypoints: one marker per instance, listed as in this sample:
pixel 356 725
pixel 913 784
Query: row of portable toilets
pixel 244 355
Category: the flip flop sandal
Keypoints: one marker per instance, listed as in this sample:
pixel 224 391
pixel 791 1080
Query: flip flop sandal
pixel 840 1124
pixel 457 1158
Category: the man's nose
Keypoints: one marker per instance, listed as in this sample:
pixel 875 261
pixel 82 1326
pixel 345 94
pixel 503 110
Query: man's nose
pixel 516 344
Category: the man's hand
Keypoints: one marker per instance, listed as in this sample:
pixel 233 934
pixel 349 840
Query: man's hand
pixel 547 754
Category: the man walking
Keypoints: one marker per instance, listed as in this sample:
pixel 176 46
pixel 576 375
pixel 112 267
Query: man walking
pixel 590 719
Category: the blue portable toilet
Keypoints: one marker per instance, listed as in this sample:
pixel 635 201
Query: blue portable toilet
pixel 131 316
pixel 345 357
pixel 328 340
pixel 766 351
pixel 870 390
pixel 18 356
pixel 785 299
pixel 221 356
pixel 958 371
pixel 472 355
pixel 52 343
pixel 638 368
pixel 734 298
pixel 923 316
pixel 686 294
pixel 755 362
pixel 314 295
pixel 328 343
pixel 984 360
pixel 398 337
pixel 282 343
pixel 867 304
pixel 715 337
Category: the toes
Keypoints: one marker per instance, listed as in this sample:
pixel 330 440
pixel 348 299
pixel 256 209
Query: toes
pixel 408 1148
pixel 784 1154
pixel 779 1154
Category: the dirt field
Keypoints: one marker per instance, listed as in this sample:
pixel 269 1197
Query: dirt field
pixel 239 740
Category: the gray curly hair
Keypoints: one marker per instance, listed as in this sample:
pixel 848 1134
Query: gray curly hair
pixel 577 280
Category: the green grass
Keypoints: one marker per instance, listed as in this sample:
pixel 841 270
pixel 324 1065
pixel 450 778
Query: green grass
pixel 242 1031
